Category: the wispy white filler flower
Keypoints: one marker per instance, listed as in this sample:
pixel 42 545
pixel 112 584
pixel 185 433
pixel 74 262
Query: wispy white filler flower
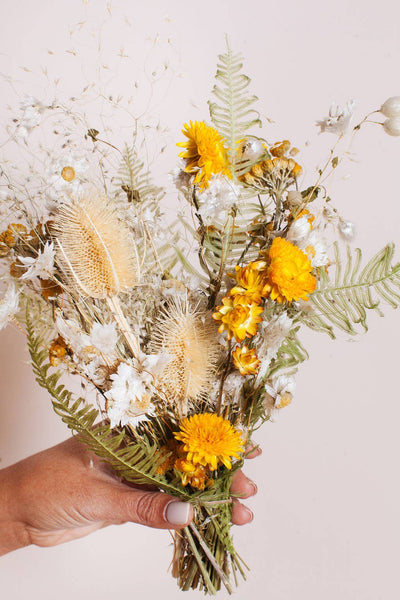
pixel 8 305
pixel 339 119
pixel 42 266
pixel 217 199
pixel 32 111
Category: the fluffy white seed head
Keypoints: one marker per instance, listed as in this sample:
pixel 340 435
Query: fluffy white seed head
pixel 95 249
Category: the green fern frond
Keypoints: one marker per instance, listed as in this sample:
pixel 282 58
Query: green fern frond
pixel 344 301
pixel 290 354
pixel 231 113
pixel 135 180
pixel 135 461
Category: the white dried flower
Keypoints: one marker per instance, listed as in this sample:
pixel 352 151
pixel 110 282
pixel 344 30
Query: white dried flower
pixel 129 398
pixel 279 393
pixel 251 149
pixel 69 329
pixel 294 198
pixel 272 335
pixel 42 265
pixel 32 110
pixel 347 230
pixel 8 304
pixel 299 230
pixel 104 337
pixel 339 119
pixel 217 199
pixel 392 126
pixel 64 177
pixel 391 108
pixel 330 214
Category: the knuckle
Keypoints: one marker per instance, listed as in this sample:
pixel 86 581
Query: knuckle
pixel 147 508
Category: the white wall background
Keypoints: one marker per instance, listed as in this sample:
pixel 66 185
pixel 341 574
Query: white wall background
pixel 327 521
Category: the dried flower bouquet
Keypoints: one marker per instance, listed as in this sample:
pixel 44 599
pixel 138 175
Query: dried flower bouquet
pixel 184 354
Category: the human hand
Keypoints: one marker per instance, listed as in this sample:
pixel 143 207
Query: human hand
pixel 66 492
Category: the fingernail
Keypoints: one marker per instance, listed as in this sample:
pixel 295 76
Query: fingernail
pixel 250 513
pixel 177 513
pixel 254 486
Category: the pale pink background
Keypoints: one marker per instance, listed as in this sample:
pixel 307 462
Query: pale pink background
pixel 327 521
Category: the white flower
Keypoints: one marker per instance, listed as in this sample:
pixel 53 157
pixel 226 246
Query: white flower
pixel 299 230
pixel 316 249
pixel 217 199
pixel 31 117
pixel 104 337
pixel 72 334
pixel 339 119
pixel 252 149
pixel 8 304
pixel 347 230
pixel 391 108
pixel 42 265
pixel 392 126
pixel 64 177
pixel 129 396
pixel 308 239
pixel 279 394
pixel 272 335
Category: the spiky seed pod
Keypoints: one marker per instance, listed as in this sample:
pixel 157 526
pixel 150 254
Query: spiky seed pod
pixel 189 336
pixel 94 247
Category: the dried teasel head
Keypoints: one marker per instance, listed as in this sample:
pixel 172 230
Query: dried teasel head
pixel 189 336
pixel 95 249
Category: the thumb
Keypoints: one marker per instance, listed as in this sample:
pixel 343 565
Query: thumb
pixel 151 508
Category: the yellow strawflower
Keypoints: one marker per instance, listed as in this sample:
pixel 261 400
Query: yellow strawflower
pixel 209 441
pixel 238 317
pixel 250 281
pixel 204 152
pixel 289 272
pixel 245 359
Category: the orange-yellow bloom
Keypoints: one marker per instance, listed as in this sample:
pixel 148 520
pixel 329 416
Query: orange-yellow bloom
pixel 250 281
pixel 209 441
pixel 245 359
pixel 204 152
pixel 289 272
pixel 238 318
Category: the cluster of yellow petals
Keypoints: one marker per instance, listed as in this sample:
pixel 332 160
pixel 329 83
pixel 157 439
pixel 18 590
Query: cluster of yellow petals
pixel 204 152
pixel 209 441
pixel 238 317
pixel 289 272
pixel 245 359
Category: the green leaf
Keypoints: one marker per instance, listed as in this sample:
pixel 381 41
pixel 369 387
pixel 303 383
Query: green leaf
pixel 343 302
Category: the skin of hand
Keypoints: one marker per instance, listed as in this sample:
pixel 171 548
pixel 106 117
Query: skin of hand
pixel 66 492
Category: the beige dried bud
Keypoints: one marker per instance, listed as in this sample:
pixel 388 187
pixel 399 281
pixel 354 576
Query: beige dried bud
pixel 95 249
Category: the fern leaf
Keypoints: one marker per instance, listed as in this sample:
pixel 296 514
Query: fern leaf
pixel 344 301
pixel 232 114
pixel 135 461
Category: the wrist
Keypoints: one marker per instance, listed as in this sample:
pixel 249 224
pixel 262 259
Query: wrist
pixel 13 533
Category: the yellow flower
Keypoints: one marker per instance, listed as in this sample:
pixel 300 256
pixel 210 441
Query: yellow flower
pixel 251 281
pixel 204 153
pixel 68 173
pixel 238 317
pixel 245 359
pixel 209 440
pixel 195 475
pixel 289 272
